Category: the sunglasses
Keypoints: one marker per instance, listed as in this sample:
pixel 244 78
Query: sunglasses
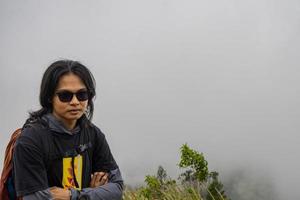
pixel 67 96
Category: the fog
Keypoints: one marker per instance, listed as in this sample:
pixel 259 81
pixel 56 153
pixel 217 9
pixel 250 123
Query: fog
pixel 222 76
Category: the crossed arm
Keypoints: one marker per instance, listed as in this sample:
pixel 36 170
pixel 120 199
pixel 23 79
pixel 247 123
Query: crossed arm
pixel 103 186
pixel 98 179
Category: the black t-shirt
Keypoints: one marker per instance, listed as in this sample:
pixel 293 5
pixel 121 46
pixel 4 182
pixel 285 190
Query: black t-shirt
pixel 41 154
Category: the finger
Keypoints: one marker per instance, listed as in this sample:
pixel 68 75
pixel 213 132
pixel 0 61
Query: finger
pixel 92 178
pixel 55 192
pixel 99 176
pixel 53 189
pixel 96 177
pixel 106 179
pixel 103 180
pixel 60 194
pixel 102 174
pixel 92 183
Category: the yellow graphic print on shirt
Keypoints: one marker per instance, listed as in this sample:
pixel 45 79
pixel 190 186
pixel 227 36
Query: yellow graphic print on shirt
pixel 68 178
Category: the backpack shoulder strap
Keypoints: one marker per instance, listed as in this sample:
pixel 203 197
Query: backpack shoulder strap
pixel 8 165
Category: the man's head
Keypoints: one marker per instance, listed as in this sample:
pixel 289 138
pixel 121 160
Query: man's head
pixel 59 83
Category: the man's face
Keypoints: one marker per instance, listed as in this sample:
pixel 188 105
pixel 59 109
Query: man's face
pixel 70 111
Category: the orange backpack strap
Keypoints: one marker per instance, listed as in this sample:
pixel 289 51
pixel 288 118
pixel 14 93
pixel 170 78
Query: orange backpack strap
pixel 8 163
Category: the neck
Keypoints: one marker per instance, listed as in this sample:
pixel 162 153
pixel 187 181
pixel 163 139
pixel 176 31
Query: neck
pixel 68 124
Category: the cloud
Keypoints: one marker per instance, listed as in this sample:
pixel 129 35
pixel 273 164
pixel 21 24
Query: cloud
pixel 243 184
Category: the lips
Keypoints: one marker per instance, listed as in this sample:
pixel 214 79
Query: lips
pixel 74 111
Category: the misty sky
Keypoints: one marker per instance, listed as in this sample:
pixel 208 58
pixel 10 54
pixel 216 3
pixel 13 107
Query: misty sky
pixel 222 76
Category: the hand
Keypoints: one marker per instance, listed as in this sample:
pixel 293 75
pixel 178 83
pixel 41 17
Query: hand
pixel 98 179
pixel 60 193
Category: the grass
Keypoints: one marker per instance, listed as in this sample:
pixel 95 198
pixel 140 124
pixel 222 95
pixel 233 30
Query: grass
pixel 168 192
pixel 171 192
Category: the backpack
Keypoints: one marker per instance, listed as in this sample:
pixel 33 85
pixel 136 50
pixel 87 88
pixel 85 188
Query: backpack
pixel 7 188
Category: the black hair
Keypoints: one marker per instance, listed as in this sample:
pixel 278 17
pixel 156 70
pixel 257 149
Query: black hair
pixel 50 81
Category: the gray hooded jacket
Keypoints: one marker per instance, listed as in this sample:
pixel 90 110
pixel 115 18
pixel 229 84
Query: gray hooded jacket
pixel 113 190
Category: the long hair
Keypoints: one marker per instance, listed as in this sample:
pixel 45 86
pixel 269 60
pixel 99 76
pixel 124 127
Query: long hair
pixel 50 81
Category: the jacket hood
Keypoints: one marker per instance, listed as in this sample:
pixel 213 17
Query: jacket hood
pixel 57 126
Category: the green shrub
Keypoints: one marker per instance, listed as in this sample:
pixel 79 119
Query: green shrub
pixel 195 183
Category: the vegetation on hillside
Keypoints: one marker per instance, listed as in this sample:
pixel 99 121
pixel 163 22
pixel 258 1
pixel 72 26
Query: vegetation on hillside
pixel 195 183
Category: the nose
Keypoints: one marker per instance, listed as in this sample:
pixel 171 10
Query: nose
pixel 74 100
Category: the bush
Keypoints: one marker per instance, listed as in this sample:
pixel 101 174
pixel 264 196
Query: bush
pixel 196 182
